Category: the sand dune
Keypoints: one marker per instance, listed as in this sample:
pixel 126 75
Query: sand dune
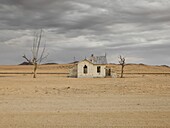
pixel 60 102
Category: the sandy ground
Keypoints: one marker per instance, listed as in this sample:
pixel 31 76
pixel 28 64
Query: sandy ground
pixel 51 101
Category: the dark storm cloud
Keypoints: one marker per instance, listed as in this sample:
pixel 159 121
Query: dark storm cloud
pixel 79 28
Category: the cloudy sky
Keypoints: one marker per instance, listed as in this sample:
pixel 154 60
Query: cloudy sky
pixel 136 29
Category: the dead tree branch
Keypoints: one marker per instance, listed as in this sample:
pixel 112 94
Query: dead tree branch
pixel 37 54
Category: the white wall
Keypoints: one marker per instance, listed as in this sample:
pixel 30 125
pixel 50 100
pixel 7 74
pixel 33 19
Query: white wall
pixel 102 71
pixel 91 70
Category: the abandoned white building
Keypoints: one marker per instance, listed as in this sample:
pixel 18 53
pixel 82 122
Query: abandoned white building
pixel 94 66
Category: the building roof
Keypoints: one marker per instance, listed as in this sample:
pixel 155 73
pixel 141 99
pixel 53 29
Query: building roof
pixel 98 59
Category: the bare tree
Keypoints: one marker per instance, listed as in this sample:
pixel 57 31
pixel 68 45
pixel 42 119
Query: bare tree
pixel 122 63
pixel 37 54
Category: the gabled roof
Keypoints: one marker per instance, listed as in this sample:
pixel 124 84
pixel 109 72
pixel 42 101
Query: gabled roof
pixel 98 59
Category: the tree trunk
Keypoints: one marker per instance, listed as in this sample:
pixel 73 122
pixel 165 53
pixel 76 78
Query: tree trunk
pixel 122 72
pixel 35 70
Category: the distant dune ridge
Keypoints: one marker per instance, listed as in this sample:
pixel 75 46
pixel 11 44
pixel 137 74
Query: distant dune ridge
pixel 25 63
pixel 53 68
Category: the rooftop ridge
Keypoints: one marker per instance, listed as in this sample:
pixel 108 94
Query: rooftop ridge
pixel 98 59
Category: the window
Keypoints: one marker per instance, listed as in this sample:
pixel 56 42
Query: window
pixel 85 69
pixel 98 69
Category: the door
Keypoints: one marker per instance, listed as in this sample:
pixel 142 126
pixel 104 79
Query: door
pixel 108 72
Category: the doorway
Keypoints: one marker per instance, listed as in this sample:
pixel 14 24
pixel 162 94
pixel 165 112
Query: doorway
pixel 108 72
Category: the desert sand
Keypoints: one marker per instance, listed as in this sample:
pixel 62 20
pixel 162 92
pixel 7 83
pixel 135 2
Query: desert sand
pixel 54 101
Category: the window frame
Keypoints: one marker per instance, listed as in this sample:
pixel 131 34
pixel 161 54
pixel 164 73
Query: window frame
pixel 85 69
pixel 98 69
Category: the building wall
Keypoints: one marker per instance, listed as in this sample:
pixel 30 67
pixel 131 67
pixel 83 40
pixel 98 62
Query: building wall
pixel 73 72
pixel 102 71
pixel 91 70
